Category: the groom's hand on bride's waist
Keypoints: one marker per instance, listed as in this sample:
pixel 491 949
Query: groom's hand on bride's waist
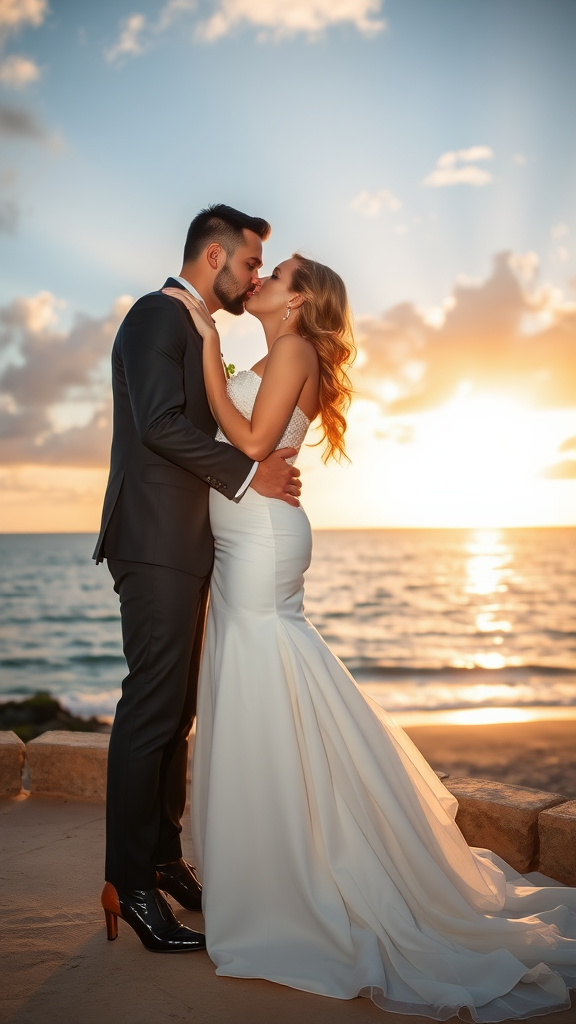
pixel 275 478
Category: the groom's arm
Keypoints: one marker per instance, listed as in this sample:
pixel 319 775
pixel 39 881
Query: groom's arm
pixel 151 352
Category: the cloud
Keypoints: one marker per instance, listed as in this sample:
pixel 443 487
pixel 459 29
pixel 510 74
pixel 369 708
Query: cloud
pixel 506 333
pixel 17 72
pixel 129 42
pixel 281 19
pixel 442 177
pixel 565 470
pixel 274 20
pixel 559 231
pixel 20 123
pixel 467 156
pixel 16 14
pixel 457 167
pixel 371 204
pixel 525 265
pixel 54 391
pixel 560 253
pixel 172 11
pixel 137 32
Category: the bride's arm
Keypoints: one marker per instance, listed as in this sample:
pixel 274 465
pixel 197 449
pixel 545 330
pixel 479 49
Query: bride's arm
pixel 287 368
pixel 286 372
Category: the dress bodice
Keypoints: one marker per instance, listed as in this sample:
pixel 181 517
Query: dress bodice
pixel 242 389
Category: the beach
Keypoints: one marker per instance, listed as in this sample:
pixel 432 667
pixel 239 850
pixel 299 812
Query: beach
pixel 58 966
pixel 538 754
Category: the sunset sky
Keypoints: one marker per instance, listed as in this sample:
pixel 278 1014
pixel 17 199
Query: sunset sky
pixel 425 149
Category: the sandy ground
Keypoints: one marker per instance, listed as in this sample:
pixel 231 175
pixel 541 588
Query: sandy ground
pixel 58 967
pixel 541 755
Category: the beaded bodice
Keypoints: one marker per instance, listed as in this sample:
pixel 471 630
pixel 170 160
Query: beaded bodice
pixel 242 389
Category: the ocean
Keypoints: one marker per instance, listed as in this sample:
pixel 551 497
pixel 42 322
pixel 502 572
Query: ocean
pixel 426 620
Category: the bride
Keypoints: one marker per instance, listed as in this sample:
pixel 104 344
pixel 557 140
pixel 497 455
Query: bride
pixel 327 847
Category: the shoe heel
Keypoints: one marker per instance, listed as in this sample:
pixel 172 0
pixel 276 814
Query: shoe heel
pixel 111 925
pixel 112 912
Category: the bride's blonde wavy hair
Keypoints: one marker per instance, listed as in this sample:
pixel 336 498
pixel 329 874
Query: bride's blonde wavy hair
pixel 324 319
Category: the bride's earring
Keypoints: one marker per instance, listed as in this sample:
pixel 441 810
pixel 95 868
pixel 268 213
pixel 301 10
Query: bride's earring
pixel 288 311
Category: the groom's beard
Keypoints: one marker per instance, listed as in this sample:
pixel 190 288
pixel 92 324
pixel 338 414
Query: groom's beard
pixel 226 290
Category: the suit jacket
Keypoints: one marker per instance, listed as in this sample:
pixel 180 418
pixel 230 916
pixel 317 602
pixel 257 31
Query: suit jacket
pixel 164 457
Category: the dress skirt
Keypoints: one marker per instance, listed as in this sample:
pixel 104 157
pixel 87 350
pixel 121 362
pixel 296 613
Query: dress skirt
pixel 327 847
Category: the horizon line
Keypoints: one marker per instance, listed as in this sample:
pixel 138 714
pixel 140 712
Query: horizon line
pixel 317 529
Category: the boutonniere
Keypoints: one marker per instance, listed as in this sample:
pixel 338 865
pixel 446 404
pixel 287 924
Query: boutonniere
pixel 230 369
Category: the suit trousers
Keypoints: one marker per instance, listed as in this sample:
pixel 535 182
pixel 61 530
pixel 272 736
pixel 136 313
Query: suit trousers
pixel 163 615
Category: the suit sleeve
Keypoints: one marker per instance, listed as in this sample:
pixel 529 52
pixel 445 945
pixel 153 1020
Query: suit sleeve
pixel 154 340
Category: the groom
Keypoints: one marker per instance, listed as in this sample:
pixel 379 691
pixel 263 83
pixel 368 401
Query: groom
pixel 156 538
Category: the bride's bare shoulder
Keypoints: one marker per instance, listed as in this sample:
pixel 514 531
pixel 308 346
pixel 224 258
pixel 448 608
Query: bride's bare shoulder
pixel 289 351
pixel 294 346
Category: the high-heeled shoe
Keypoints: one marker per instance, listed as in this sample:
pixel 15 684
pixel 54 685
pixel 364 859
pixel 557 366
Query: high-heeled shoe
pixel 178 880
pixel 151 917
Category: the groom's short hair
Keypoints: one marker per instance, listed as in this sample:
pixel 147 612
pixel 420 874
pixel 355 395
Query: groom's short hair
pixel 224 224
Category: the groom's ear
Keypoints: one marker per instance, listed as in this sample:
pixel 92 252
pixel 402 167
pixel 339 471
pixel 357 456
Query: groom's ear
pixel 215 256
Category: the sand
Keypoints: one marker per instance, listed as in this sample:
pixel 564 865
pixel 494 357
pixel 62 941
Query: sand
pixel 58 967
pixel 541 755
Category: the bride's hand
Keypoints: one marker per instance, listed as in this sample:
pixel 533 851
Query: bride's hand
pixel 202 320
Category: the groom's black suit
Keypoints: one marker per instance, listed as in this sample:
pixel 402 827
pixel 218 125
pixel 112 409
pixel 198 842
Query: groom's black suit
pixel 156 537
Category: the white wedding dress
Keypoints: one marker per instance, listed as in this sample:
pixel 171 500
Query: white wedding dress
pixel 326 845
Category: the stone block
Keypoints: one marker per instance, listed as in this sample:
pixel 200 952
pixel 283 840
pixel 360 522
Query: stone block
pixel 557 832
pixel 68 764
pixel 502 818
pixel 12 756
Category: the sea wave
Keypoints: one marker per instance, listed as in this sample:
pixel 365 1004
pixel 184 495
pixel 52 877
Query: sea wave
pixel 440 619
pixel 395 689
pixel 364 671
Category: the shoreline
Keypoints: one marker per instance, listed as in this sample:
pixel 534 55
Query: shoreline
pixel 486 715
pixel 463 714
pixel 456 716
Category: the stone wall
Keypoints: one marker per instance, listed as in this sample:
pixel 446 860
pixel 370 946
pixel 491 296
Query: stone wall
pixel 12 760
pixel 530 829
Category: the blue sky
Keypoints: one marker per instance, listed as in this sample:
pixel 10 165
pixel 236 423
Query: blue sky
pixel 405 143
pixel 295 130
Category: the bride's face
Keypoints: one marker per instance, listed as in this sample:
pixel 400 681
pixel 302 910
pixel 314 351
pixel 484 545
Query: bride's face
pixel 274 292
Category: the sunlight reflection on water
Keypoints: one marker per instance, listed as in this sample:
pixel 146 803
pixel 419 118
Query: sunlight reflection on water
pixel 486 569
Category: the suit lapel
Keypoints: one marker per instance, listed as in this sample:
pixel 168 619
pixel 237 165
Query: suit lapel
pixel 195 337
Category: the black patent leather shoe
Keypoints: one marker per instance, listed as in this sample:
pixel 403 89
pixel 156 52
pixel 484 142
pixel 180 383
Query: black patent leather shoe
pixel 151 917
pixel 178 880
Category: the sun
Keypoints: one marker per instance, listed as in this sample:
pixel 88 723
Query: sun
pixel 484 453
pixel 475 461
